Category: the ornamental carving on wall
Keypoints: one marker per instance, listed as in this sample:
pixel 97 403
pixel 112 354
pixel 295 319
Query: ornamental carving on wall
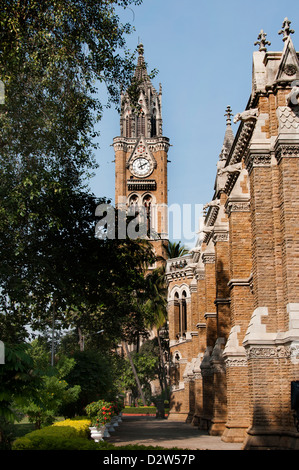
pixel 220 237
pixel 208 258
pixel 290 69
pixel 280 352
pixel 258 160
pixel 287 151
pixel 236 362
pixel 238 207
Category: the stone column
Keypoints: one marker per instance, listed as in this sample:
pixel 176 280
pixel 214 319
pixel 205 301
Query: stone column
pixel 210 318
pixel 238 210
pixel 222 303
pixel 202 344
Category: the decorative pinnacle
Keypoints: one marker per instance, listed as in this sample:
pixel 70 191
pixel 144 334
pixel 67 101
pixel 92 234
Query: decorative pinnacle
pixel 262 42
pixel 286 31
pixel 228 115
pixel 140 49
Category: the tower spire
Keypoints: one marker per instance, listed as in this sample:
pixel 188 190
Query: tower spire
pixel 141 72
pixel 228 136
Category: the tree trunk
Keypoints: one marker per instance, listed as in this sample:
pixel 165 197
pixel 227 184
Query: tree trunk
pixel 81 339
pixel 135 373
pixel 53 332
pixel 162 365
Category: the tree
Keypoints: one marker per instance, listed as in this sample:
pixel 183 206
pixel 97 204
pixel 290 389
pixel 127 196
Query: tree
pixel 156 305
pixel 96 372
pixel 175 250
pixel 53 392
pixel 19 382
pixel 146 369
pixel 53 57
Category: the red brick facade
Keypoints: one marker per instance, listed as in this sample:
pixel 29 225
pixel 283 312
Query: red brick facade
pixel 235 358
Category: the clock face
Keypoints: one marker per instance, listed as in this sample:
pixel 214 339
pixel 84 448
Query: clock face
pixel 141 166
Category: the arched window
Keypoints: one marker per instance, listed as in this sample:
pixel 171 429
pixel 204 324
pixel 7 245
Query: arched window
pixel 133 201
pixel 180 313
pixel 184 312
pixel 177 316
pixel 140 124
pixel 133 204
pixel 147 202
pixel 128 127
pixel 153 124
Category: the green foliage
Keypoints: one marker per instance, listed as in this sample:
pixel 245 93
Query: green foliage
pixel 18 380
pixel 53 395
pixel 140 410
pixel 175 250
pixel 146 367
pixel 95 373
pixel 67 437
pixel 100 412
pixel 54 392
pixel 53 57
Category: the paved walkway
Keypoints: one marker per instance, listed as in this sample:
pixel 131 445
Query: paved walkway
pixel 161 432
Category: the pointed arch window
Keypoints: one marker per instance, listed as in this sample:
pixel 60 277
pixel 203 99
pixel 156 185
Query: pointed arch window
pixel 147 203
pixel 180 314
pixel 184 312
pixel 128 127
pixel 140 124
pixel 154 124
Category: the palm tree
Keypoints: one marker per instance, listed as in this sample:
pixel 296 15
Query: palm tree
pixel 156 306
pixel 175 250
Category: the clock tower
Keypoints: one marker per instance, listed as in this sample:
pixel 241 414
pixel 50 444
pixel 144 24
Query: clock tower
pixel 141 159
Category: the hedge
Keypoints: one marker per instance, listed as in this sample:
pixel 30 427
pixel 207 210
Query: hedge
pixel 63 435
pixel 69 435
pixel 139 410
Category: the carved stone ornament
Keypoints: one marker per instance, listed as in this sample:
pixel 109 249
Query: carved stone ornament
pixel 257 160
pixel 236 362
pixel 269 352
pixel 208 258
pixel 237 206
pixel 290 69
pixel 246 115
pixel 220 237
pixel 287 151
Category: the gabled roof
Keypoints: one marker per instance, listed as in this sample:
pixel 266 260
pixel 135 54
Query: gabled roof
pixel 288 68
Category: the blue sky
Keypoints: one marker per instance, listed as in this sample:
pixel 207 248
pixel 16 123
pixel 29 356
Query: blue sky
pixel 203 52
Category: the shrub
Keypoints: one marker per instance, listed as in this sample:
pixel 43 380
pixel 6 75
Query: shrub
pixel 140 410
pixel 64 435
pixel 81 426
pixel 100 412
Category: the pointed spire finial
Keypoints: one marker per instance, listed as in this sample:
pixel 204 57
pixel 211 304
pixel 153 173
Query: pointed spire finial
pixel 140 49
pixel 228 115
pixel 262 42
pixel 286 31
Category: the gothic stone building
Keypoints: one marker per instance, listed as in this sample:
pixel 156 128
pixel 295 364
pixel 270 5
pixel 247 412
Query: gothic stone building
pixel 234 299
